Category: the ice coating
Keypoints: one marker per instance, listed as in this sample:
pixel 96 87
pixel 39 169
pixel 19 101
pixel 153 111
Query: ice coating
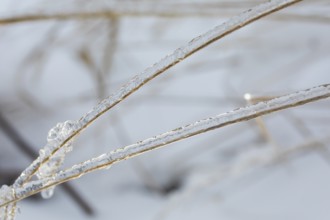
pixel 234 116
pixel 183 52
pixel 55 136
pixel 7 194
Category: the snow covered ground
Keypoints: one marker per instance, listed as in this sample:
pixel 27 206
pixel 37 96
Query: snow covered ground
pixel 52 71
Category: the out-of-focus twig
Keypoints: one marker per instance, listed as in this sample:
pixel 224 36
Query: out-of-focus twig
pixel 247 165
pixel 157 10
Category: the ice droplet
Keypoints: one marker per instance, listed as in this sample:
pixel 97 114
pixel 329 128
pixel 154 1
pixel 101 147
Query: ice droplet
pixel 48 193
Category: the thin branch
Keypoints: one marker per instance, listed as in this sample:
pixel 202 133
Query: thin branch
pixel 154 10
pixel 168 61
pixel 232 117
pixel 134 9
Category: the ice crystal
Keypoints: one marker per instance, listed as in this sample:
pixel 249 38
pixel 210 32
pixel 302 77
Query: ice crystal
pixel 7 194
pixel 55 137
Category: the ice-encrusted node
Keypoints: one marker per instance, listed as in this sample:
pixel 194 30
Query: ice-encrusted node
pixel 56 136
pixel 61 131
pixel 6 194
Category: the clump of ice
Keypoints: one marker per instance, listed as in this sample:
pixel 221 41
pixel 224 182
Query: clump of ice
pixel 6 195
pixel 55 137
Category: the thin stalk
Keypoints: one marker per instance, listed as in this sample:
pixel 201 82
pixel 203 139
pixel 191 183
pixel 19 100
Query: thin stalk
pixel 198 127
pixel 154 10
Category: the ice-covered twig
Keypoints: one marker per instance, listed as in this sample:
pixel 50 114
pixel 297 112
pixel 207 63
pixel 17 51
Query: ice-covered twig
pixel 234 116
pixel 168 61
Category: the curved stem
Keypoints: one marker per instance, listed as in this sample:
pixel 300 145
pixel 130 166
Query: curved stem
pixel 198 127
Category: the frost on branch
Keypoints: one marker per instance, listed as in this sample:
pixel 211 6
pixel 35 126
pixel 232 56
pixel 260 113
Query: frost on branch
pixel 55 136
pixel 7 194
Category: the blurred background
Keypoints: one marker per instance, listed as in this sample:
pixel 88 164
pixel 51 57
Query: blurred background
pixel 60 58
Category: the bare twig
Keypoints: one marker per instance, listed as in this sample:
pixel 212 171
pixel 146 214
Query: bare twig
pixel 156 10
